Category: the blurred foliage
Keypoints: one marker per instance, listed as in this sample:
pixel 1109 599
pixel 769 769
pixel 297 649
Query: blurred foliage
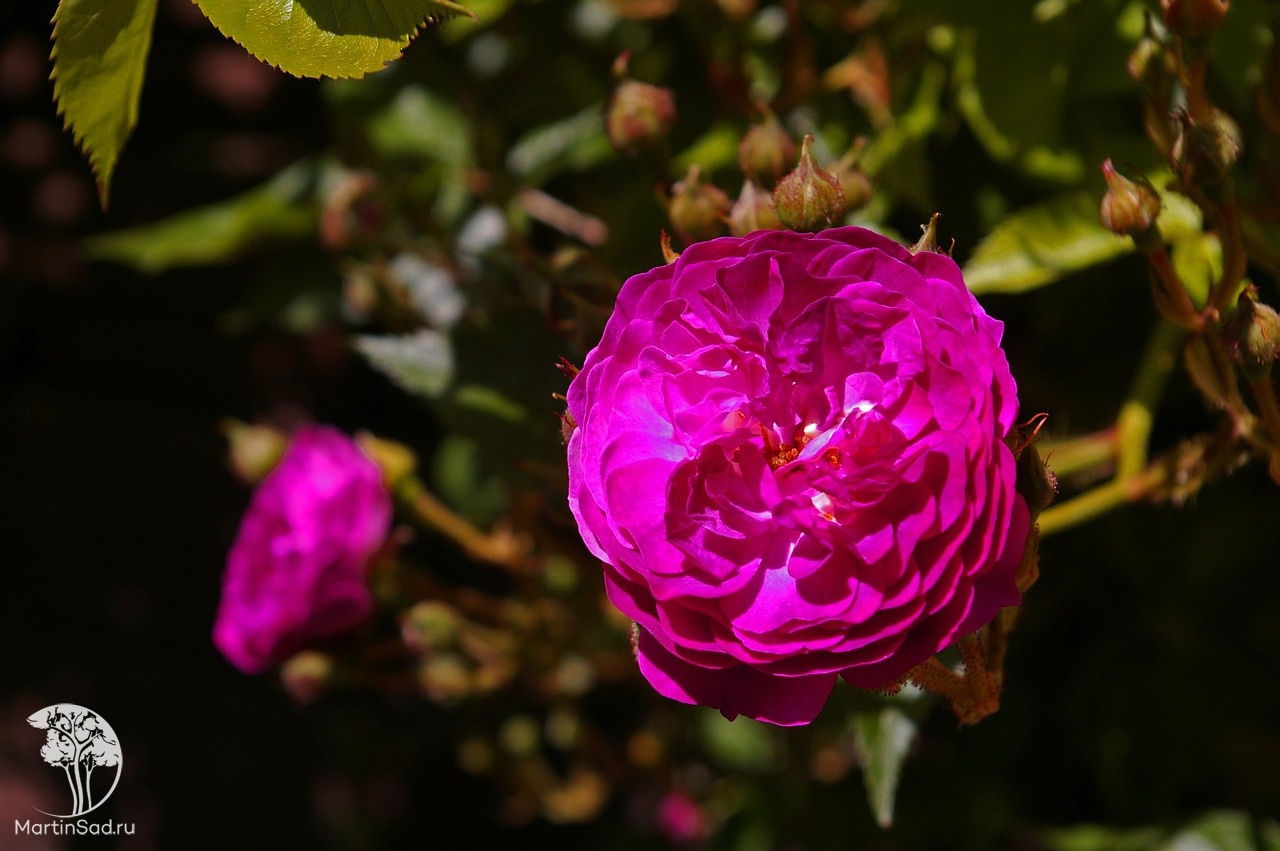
pixel 480 223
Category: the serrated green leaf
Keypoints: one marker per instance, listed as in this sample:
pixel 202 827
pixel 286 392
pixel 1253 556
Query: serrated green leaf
pixel 421 363
pixel 325 38
pixel 284 207
pixel 99 62
pixel 882 737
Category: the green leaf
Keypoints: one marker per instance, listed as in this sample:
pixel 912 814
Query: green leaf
pixel 1038 245
pixel 325 38
pixel 1220 830
pixel 464 483
pixel 1043 243
pixel 421 363
pixel 715 149
pixel 1215 830
pixel 741 744
pixel 577 142
pixel 284 207
pixel 99 61
pixel 882 737
pixel 434 135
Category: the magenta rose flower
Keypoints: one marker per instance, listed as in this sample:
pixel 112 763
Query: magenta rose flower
pixel 789 456
pixel 295 573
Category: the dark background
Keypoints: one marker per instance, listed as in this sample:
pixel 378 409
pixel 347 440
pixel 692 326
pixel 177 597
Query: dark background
pixel 1142 683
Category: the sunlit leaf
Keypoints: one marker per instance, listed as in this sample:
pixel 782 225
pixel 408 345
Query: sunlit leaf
pixel 282 208
pixel 1197 259
pixel 1038 245
pixel 421 363
pixel 99 61
pixel 883 737
pixel 325 38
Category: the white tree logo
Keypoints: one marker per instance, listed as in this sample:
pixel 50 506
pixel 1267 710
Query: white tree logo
pixel 79 741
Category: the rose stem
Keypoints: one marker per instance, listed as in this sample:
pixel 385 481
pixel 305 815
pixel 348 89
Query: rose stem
pixel 1264 391
pixel 1073 455
pixel 1133 426
pixel 1100 500
pixel 503 549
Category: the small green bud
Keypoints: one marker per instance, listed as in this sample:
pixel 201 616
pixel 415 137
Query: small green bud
pixel 809 198
pixel 1252 335
pixel 766 150
pixel 1129 208
pixel 697 209
pixel 639 116
pixel 752 211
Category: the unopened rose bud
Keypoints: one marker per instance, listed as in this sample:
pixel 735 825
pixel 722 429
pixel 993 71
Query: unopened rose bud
pixel 809 198
pixel 697 210
pixel 752 211
pixel 254 449
pixel 430 626
pixel 1252 334
pixel 306 676
pixel 639 116
pixel 1194 18
pixel 766 150
pixel 1129 208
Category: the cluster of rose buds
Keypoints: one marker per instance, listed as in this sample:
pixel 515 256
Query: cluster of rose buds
pixel 780 189
pixel 1232 335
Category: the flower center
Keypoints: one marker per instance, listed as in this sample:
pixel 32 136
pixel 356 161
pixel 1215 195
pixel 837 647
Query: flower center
pixel 780 454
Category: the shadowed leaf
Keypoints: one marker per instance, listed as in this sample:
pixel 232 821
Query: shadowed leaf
pixel 284 207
